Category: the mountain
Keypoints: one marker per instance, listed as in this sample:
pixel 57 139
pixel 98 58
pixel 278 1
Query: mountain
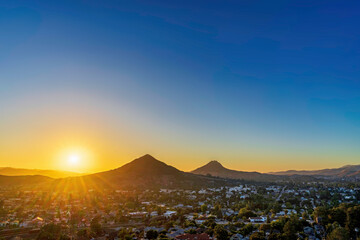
pixel 348 171
pixel 143 172
pixel 214 168
pixel 8 171
pixel 10 181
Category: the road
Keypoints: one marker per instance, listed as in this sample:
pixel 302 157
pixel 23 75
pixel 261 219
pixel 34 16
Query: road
pixel 280 194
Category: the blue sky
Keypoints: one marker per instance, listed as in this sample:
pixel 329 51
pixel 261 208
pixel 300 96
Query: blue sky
pixel 231 80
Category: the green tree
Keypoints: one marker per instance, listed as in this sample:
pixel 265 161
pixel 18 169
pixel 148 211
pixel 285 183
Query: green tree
pixel 353 219
pixel 50 232
pixel 246 213
pixel 289 230
pixel 257 236
pixel 203 208
pixel 95 226
pixel 274 236
pixel 338 215
pixel 304 215
pixel 220 233
pixel 152 234
pixel 83 234
pixel 338 233
pixel 247 229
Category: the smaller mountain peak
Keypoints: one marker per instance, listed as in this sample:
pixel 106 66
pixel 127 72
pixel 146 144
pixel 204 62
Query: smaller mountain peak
pixel 214 163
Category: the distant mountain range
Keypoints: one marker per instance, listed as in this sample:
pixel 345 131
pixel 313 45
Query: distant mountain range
pixel 148 172
pixel 214 168
pixel 348 171
pixel 8 171
pixel 9 181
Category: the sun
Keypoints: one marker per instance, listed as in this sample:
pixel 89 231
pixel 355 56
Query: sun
pixel 74 159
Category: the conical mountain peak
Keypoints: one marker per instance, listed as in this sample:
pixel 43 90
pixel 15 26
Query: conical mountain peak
pixel 148 165
pixel 214 163
pixel 146 158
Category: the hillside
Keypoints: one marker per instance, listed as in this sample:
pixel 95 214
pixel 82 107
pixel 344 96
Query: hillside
pixel 143 172
pixel 8 171
pixel 8 181
pixel 214 168
pixel 348 171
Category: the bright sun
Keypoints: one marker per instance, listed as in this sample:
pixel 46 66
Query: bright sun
pixel 73 159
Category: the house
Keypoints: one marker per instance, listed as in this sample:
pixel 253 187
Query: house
pixel 200 221
pixel 38 221
pixel 154 229
pixel 175 232
pixel 309 231
pixel 137 214
pixel 169 213
pixel 188 236
pixel 258 219
pixel 237 236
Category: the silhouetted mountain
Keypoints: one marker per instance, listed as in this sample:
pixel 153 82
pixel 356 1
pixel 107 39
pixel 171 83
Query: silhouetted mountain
pixel 348 171
pixel 143 172
pixel 9 181
pixel 214 168
pixel 8 171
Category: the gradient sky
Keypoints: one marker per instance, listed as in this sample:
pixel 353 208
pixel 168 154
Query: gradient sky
pixel 256 85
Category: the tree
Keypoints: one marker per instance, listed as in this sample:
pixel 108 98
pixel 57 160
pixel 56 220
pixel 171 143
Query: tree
pixel 289 231
pixel 125 233
pixel 246 213
pixel 274 236
pixel 321 213
pixel 83 234
pixel 353 219
pixel 203 208
pixel 169 224
pixel 247 229
pixel 278 224
pixel 95 226
pixel 220 233
pixel 264 227
pixel 257 236
pixel 50 232
pixel 64 237
pixel 151 234
pixel 338 215
pixel 338 233
pixel 304 215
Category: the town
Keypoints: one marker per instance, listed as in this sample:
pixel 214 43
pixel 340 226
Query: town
pixel 311 210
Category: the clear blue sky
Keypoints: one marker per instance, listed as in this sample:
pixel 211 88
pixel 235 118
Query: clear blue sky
pixel 258 85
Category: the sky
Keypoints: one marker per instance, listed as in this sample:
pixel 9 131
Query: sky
pixel 257 85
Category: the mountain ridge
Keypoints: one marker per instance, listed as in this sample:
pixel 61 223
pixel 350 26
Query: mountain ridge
pixel 142 172
pixel 148 172
pixel 215 168
pixel 10 171
pixel 344 171
pixel 28 180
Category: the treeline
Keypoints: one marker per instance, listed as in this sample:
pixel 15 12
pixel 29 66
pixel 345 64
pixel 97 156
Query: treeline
pixel 344 219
